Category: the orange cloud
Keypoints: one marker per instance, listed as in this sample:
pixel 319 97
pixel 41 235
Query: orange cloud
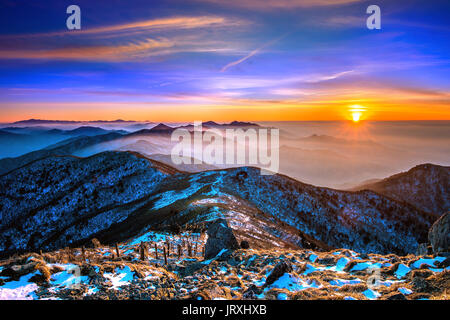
pixel 104 53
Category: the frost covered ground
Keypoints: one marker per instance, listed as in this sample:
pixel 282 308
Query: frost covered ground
pixel 339 274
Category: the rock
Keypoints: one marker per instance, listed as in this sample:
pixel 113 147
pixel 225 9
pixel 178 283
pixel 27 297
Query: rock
pixel 420 273
pixel 245 244
pixel 224 255
pixel 281 268
pixel 364 256
pixel 220 237
pixel 420 285
pixel 328 261
pixel 251 292
pixel 190 269
pixel 422 249
pixel 16 271
pixel 439 234
pixel 397 296
pixel 443 264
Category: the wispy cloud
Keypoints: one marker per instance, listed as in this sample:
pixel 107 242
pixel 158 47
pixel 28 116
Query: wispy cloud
pixel 104 52
pixel 145 26
pixel 248 56
pixel 122 42
pixel 279 4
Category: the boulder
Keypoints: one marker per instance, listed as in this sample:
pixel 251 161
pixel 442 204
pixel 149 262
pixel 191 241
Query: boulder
pixel 396 296
pixel 220 237
pixel 281 268
pixel 439 234
pixel 245 244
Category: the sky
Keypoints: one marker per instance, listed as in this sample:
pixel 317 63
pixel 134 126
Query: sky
pixel 178 60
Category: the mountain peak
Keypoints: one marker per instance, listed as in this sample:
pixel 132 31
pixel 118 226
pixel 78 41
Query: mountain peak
pixel 161 127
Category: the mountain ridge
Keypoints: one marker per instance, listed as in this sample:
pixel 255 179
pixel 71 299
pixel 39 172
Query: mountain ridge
pixel 61 201
pixel 432 196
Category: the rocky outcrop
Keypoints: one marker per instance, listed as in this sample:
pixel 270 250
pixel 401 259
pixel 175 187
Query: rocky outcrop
pixel 220 237
pixel 439 234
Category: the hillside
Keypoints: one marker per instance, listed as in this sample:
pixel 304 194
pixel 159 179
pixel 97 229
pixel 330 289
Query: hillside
pixel 59 201
pixel 425 186
pixel 66 147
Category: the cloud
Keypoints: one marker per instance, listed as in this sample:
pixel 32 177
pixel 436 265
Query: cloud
pixel 144 26
pixel 103 52
pixel 235 63
pixel 248 56
pixel 122 42
pixel 279 4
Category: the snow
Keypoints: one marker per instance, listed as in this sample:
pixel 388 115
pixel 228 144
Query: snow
pixel 342 282
pixel 365 265
pixel 371 294
pixel 402 270
pixel 148 236
pixel 429 262
pixel 19 290
pixel 292 283
pixel 169 197
pixel 67 278
pixel 405 291
pixel 340 265
pixel 309 269
pixel 282 296
pixel 121 278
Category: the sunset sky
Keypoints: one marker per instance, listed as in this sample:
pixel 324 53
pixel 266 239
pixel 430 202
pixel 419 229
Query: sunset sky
pixel 178 60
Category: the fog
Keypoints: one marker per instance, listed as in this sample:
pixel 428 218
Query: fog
pixel 333 154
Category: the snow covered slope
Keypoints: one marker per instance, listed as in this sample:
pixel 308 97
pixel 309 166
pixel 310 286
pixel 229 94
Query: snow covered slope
pixel 64 200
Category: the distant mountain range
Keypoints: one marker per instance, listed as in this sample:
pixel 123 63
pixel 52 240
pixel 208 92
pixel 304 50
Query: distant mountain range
pixel 36 135
pixel 21 140
pixel 67 147
pixel 426 186
pixel 53 122
pixel 58 201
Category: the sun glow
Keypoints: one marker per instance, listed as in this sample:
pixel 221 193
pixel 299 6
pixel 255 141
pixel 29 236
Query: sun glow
pixel 357 112
pixel 356 116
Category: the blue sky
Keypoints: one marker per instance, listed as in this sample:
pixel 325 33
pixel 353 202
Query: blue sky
pixel 250 60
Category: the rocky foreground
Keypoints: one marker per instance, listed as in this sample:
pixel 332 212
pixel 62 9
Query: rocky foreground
pixel 177 270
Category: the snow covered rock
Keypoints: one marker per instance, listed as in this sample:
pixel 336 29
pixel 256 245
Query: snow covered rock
pixel 220 237
pixel 439 234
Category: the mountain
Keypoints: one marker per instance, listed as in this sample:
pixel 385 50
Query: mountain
pixel 53 122
pixel 426 186
pixel 64 200
pixel 160 129
pixel 40 122
pixel 15 143
pixel 143 146
pixel 66 147
pixel 190 167
pixel 86 131
pixel 21 140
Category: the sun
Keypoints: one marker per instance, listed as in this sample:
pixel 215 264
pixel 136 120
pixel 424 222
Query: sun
pixel 356 116
pixel 356 112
